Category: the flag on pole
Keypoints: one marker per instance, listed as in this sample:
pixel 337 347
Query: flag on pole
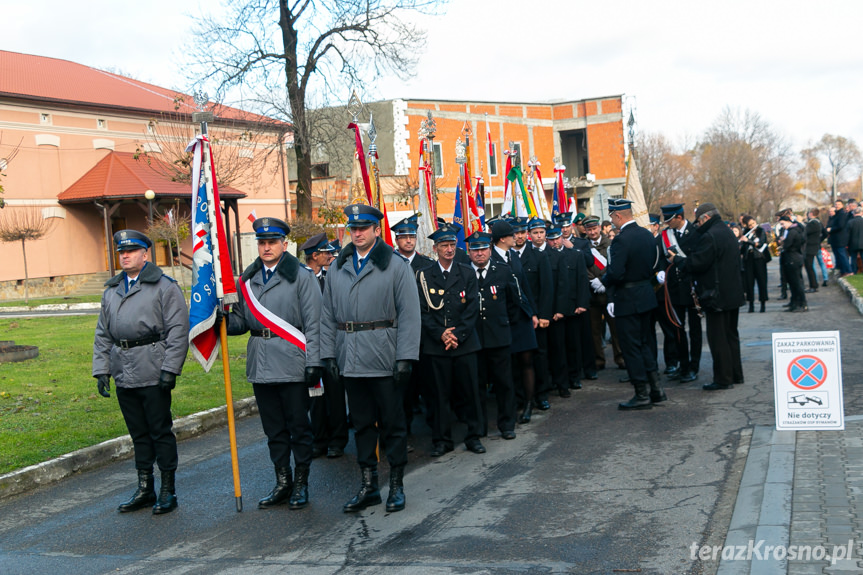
pixel 559 198
pixel 522 204
pixel 212 278
pixel 537 192
pixel 633 192
pixel 458 219
pixel 427 220
pixel 252 216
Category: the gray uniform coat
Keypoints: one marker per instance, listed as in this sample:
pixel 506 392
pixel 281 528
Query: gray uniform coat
pixel 293 294
pixel 384 290
pixel 154 305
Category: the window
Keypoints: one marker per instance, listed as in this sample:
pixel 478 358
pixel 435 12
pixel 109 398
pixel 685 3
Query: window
pixel 492 160
pixel 321 170
pixel 44 118
pixel 520 159
pixel 438 159
pixel 102 124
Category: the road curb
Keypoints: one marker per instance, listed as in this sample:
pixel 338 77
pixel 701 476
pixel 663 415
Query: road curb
pixel 47 472
pixel 856 300
pixel 51 307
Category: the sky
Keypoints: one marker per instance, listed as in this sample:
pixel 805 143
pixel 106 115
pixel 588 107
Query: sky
pixel 679 63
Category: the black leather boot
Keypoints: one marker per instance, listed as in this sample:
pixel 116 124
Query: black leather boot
pixel 369 493
pixel 144 496
pixel 751 307
pixel 281 492
pixel 641 399
pixel 525 415
pixel 396 498
pixel 763 304
pixel 657 394
pixel 167 501
pixel 300 493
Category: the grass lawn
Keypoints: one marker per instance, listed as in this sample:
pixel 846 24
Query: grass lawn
pixel 49 405
pixel 856 282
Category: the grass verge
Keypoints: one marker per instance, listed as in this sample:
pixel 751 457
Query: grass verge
pixel 53 300
pixel 49 405
pixel 856 282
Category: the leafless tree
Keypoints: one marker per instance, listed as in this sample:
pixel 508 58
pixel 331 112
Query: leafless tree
pixel 665 173
pixel 829 162
pixel 308 49
pixel 24 224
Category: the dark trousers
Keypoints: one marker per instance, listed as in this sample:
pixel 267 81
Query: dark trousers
pixel 579 346
pixel 147 412
pixel 670 353
pixel 755 271
pixel 842 263
pixel 598 317
pixel 689 350
pixel 585 335
pixel 417 386
pixel 724 342
pixel 453 377
pixel 284 411
pixel 638 342
pixel 794 275
pixel 329 415
pixel 855 263
pixel 809 264
pixel 370 398
pixel 558 358
pixel 541 369
pixel 495 369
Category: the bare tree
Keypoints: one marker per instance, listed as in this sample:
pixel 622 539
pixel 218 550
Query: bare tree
pixel 315 48
pixel 24 224
pixel 827 163
pixel 665 173
pixel 171 228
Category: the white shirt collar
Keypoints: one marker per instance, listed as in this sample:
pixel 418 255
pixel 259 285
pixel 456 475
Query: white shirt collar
pixel 443 269
pixel 500 252
pixel 626 224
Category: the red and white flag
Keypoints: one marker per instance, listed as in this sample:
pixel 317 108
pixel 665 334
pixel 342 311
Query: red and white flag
pixel 252 216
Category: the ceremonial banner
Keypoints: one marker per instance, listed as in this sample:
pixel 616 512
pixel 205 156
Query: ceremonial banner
pixel 427 220
pixel 212 277
pixel 634 192
pixel 558 202
pixel 521 203
pixel 538 192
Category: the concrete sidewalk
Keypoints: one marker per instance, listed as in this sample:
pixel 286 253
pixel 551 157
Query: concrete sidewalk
pixel 799 509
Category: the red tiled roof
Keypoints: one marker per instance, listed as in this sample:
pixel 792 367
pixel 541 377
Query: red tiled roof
pixel 38 77
pixel 120 176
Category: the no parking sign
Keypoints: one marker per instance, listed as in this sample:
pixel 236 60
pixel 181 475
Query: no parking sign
pixel 807 380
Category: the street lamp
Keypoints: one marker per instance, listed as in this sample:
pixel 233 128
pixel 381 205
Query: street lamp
pixel 150 195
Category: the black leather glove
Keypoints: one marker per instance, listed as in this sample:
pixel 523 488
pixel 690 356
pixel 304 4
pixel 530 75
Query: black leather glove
pixel 402 372
pixel 331 367
pixel 167 380
pixel 220 317
pixel 103 384
pixel 313 375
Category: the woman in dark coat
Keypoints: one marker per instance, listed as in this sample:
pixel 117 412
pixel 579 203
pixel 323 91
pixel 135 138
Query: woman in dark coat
pixel 756 253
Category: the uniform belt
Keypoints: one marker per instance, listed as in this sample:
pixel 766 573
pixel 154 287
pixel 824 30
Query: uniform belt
pixel 264 333
pixel 637 284
pixel 352 326
pixel 130 343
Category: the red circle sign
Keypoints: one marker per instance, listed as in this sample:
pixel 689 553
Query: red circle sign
pixel 807 372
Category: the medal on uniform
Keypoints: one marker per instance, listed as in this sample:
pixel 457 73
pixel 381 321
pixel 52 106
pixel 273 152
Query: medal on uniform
pixel 493 292
pixel 461 295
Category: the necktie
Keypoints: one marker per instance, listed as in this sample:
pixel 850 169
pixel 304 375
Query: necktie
pixel 445 276
pixel 480 274
pixel 267 275
pixel 508 258
pixel 131 285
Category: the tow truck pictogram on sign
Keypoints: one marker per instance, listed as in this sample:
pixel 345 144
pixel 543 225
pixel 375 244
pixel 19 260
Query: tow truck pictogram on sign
pixel 807 372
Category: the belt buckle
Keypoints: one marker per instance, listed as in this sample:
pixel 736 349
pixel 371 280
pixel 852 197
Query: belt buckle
pixel 266 333
pixel 349 327
pixel 124 344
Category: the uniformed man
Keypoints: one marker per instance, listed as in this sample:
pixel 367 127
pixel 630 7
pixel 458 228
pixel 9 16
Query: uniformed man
pixel 558 356
pixel 628 283
pixel 498 308
pixel 679 238
pixel 280 305
pixel 536 228
pixel 572 295
pixel 449 305
pixel 370 334
pixel 328 412
pixel 599 299
pixel 141 340
pixel 663 313
pixel 405 232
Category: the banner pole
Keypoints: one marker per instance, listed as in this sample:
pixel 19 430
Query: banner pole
pixel 232 431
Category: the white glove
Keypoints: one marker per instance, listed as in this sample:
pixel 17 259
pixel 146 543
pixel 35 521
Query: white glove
pixel 660 277
pixel 610 309
pixel 597 285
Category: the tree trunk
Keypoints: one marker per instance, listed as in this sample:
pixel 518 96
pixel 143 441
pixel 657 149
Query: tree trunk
pixel 26 277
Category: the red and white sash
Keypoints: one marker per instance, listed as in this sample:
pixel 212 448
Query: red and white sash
pixel 599 259
pixel 669 239
pixel 274 323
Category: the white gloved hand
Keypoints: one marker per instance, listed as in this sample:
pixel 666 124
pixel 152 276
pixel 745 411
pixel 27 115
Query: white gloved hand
pixel 597 285
pixel 660 277
pixel 610 309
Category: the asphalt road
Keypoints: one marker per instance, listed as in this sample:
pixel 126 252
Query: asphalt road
pixel 584 489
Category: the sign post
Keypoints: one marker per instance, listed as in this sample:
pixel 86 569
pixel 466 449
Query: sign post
pixel 807 380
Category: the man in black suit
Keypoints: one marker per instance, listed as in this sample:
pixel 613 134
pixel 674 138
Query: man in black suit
pixel 537 272
pixel 678 237
pixel 572 300
pixel 793 247
pixel 405 232
pixel 449 306
pixel 661 315
pixel 559 359
pixel 328 412
pixel 631 299
pixel 582 340
pixel 714 262
pixel 498 309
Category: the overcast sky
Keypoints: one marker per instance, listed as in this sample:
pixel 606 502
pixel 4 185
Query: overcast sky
pixel 797 63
